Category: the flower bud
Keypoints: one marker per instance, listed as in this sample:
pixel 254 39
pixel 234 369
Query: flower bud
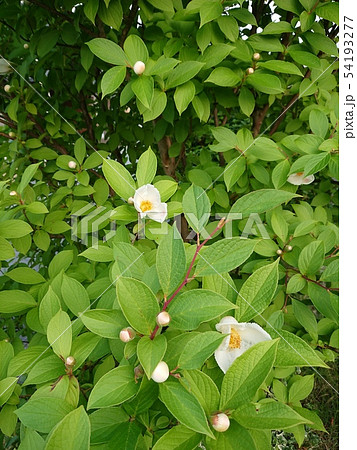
pixel 127 334
pixel 163 319
pixel 250 70
pixel 139 67
pixel 26 46
pixel 70 361
pixel 131 200
pixel 220 422
pixel 7 88
pixel 127 110
pixel 289 248
pixel 279 252
pixel 161 372
pixel 256 56
pixel 72 164
pixel 12 134
pixel 13 193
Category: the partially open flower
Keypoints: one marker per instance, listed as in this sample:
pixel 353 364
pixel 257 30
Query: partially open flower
pixel 72 164
pixel 220 422
pixel 299 178
pixel 147 202
pixel 161 372
pixel 4 66
pixel 139 67
pixel 163 319
pixel 127 334
pixel 241 336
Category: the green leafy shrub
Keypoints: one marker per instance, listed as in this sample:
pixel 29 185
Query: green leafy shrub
pixel 168 210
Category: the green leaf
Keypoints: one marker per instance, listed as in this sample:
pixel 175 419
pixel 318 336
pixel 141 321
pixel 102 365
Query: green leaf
pixel 195 306
pixel 138 303
pixel 265 149
pixel 14 228
pixel 184 95
pixel 223 76
pixel 146 169
pixel 246 374
pixel 280 174
pixel 281 66
pixel 293 351
pixel 203 388
pixel 6 250
pixel 119 178
pixel 167 188
pixel 150 352
pixel 196 207
pixel 311 258
pixel 271 415
pixel 105 322
pixel 320 42
pixel 25 275
pixel 210 10
pixel 224 255
pixel 104 422
pixel 14 301
pixel 306 317
pixel 233 171
pixel 43 413
pixel 143 88
pixel 199 349
pixel 184 72
pixel 301 388
pixel 101 253
pixel 158 105
pixel 329 11
pixel 74 295
pixel 45 370
pixel 27 177
pixel 331 272
pixel 130 261
pixel 49 306
pixel 171 261
pixel 60 262
pixel 201 105
pixel 59 334
pixel 269 84
pixel 184 407
pixel 178 437
pixel 113 388
pixel 315 163
pixel 111 13
pixel 246 101
pixel 135 49
pixel 225 137
pixel 112 79
pixel 257 292
pixel 229 27
pixel 90 9
pixel 318 122
pixel 260 201
pixel 108 51
pixel 7 386
pixel 72 433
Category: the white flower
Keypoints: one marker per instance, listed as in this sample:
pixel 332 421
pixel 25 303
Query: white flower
pixel 220 422
pixel 4 66
pixel 147 202
pixel 161 372
pixel 72 164
pixel 299 178
pixel 139 67
pixel 163 319
pixel 241 337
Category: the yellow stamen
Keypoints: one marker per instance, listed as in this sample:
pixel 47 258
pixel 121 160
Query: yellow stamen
pixel 299 173
pixel 145 206
pixel 235 340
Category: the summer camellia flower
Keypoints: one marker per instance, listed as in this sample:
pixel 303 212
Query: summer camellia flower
pixel 4 66
pixel 147 202
pixel 299 178
pixel 241 337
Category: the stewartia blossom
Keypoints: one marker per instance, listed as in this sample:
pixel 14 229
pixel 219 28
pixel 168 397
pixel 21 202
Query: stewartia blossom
pixel 147 202
pixel 163 319
pixel 299 178
pixel 161 372
pixel 241 337
pixel 4 66
pixel 139 67
pixel 220 422
pixel 127 334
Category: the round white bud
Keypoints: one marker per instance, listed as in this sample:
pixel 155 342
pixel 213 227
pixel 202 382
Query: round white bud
pixel 70 361
pixel 127 110
pixel 250 70
pixel 279 252
pixel 139 67
pixel 163 319
pixel 161 372
pixel 127 334
pixel 7 88
pixel 12 134
pixel 289 248
pixel 26 46
pixel 13 193
pixel 131 200
pixel 256 56
pixel 72 164
pixel 15 176
pixel 220 422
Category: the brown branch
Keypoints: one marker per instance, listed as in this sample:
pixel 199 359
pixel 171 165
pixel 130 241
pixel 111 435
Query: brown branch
pixel 129 21
pixel 258 118
pixel 168 163
pixel 222 161
pixel 87 118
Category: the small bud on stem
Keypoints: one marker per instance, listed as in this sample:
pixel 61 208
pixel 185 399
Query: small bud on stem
pixel 279 252
pixel 220 422
pixel 250 70
pixel 163 319
pixel 161 372
pixel 256 56
pixel 127 334
pixel 139 67
pixel 72 164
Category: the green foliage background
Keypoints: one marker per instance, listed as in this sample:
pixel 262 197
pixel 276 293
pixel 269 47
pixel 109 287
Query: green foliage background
pixel 226 128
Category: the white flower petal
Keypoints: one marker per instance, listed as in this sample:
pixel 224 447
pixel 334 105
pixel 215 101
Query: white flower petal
pixel 222 325
pixel 251 333
pixel 227 357
pixel 309 179
pixel 149 193
pixel 159 213
pixel 298 178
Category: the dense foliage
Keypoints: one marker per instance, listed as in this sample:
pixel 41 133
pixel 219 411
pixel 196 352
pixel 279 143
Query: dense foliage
pixel 230 110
